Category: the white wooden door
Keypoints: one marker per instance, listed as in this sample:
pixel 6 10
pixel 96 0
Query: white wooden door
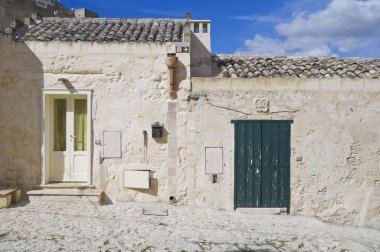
pixel 68 138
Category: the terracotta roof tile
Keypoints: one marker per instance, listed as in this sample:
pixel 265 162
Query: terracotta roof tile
pixel 245 66
pixel 104 30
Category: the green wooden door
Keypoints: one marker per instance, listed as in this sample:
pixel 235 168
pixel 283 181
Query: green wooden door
pixel 262 163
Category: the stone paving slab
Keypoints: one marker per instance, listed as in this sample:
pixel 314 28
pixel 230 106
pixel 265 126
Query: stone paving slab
pixel 45 226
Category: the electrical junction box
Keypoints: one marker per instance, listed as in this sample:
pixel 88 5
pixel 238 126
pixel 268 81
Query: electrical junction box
pixel 112 144
pixel 136 179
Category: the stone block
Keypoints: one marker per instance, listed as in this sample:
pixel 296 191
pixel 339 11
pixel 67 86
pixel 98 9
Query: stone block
pixel 16 196
pixel 64 198
pixel 8 196
pixel 241 84
pixel 309 84
pixel 191 135
pixel 87 196
pixel 204 83
pixel 191 149
pixel 5 201
pixel 352 84
pixel 186 84
pixel 371 84
pixel 281 84
pixel 331 84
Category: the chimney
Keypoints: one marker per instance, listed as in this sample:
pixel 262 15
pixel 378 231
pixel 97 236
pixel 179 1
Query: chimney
pixel 202 30
pixel 187 28
pixel 85 13
pixel 14 24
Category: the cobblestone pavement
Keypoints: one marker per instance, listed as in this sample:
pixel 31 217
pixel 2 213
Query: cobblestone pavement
pixel 123 227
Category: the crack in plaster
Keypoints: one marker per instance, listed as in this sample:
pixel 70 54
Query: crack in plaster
pixel 222 107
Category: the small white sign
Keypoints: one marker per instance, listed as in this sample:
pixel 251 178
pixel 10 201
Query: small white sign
pixel 182 47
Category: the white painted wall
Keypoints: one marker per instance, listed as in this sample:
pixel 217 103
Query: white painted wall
pixel 335 126
pixel 130 92
pixel 335 130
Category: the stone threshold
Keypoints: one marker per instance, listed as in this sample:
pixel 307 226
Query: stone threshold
pixel 67 185
pixel 263 211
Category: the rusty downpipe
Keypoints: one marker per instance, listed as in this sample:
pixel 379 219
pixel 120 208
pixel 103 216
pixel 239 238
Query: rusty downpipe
pixel 171 61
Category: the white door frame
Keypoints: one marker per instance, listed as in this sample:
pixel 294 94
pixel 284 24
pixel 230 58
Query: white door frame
pixel 45 129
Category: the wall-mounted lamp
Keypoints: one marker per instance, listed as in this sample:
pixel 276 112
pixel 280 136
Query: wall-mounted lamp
pixel 67 83
pixel 157 130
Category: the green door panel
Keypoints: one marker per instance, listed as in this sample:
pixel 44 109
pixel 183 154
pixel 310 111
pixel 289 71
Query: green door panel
pixel 262 163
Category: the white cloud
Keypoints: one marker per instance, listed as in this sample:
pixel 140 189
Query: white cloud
pixel 157 12
pixel 260 45
pixel 258 18
pixel 340 18
pixel 344 26
pixel 263 46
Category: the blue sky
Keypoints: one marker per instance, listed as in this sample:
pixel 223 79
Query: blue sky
pixel 345 28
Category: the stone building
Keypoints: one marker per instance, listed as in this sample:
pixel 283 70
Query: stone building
pixel 140 110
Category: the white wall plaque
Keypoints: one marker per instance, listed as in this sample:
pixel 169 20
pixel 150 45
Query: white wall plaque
pixel 262 105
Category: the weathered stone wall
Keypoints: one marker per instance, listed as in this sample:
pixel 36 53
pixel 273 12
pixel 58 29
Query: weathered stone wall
pixel 335 130
pixel 21 80
pixel 335 127
pixel 130 92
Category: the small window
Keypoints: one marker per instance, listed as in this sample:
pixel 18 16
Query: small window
pixel 196 27
pixel 204 29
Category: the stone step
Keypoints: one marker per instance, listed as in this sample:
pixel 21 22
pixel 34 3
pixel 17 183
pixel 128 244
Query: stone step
pixel 81 196
pixel 9 195
pixel 67 185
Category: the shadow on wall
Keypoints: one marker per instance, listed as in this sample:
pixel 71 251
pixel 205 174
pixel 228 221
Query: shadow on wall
pixel 153 190
pixel 2 18
pixel 21 81
pixel 180 74
pixel 202 64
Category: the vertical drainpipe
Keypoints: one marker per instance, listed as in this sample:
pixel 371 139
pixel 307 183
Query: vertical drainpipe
pixel 170 62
